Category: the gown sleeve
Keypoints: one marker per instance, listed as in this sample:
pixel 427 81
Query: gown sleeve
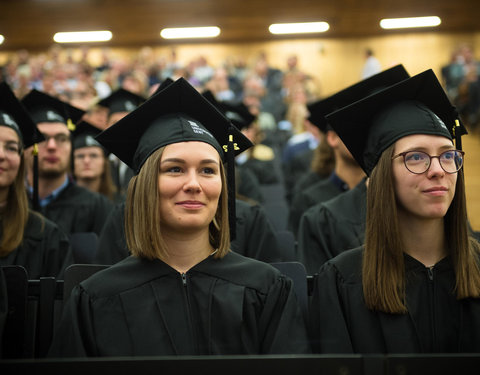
pixel 328 325
pixel 281 323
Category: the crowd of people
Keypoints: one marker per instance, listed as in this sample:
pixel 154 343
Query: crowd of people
pixel 166 164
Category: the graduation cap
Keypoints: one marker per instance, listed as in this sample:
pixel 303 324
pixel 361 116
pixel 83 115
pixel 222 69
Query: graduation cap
pixel 45 108
pixel 319 109
pixel 14 115
pixel 121 100
pixel 84 136
pixel 178 113
pixel 417 105
pixel 238 114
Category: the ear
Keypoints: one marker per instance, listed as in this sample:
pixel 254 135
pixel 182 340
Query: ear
pixel 332 139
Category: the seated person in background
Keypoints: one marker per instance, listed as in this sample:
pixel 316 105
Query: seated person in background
pixel 312 249
pixel 91 167
pixel 119 104
pixel 414 287
pixel 26 238
pixel 71 207
pixel 182 292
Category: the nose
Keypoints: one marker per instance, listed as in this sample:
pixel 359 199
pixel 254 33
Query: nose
pixel 192 184
pixel 435 169
pixel 51 142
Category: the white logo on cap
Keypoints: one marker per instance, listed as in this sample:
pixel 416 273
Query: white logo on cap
pixel 90 141
pixel 53 116
pixel 7 120
pixel 129 106
pixel 441 123
pixel 197 129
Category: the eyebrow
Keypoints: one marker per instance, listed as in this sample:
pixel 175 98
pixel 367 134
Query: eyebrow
pixel 425 149
pixel 178 160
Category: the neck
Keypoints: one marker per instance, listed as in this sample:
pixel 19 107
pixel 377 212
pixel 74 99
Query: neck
pixel 350 173
pixel 185 250
pixel 92 184
pixel 47 185
pixel 424 239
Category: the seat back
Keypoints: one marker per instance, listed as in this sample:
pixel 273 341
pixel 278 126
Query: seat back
pixel 84 247
pixel 298 274
pixel 76 273
pixel 15 340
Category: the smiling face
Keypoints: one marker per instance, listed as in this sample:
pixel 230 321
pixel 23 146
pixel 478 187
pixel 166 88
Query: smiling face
pixel 189 186
pixel 427 195
pixel 9 159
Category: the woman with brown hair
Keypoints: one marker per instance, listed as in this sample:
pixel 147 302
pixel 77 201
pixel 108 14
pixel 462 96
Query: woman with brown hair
pixel 414 286
pixel 182 291
pixel 26 238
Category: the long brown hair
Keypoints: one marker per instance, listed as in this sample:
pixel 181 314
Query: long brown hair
pixel 142 214
pixel 107 187
pixel 383 269
pixel 15 215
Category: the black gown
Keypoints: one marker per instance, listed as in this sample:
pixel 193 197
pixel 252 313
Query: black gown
pixel 320 192
pixel 45 250
pixel 331 227
pixel 255 236
pixel 77 209
pixel 138 307
pixel 436 321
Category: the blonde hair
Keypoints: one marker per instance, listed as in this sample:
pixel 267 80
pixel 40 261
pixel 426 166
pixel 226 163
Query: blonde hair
pixel 383 269
pixel 142 214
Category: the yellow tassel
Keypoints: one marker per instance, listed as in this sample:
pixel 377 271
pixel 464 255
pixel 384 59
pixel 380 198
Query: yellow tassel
pixel 70 125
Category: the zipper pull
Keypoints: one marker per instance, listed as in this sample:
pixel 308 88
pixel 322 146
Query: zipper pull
pixel 184 279
pixel 430 273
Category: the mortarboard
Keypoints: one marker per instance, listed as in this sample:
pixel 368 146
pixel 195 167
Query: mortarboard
pixel 238 114
pixel 45 108
pixel 319 109
pixel 177 113
pixel 121 100
pixel 84 136
pixel 15 116
pixel 417 105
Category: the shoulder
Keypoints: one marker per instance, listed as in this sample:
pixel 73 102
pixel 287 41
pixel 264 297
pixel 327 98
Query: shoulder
pixel 238 269
pixel 38 226
pixel 347 266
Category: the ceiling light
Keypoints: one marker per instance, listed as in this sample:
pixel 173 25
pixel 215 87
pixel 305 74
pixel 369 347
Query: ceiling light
pixel 190 32
pixel 1 38
pixel 401 23
pixel 298 28
pixel 82 36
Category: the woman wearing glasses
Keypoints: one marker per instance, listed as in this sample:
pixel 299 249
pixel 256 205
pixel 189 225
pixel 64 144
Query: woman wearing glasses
pixel 26 238
pixel 414 286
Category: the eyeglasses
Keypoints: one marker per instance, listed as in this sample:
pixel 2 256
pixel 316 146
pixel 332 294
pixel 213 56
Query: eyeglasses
pixel 91 156
pixel 60 139
pixel 418 162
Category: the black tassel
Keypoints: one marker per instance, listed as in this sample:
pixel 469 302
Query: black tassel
pixel 35 199
pixel 232 217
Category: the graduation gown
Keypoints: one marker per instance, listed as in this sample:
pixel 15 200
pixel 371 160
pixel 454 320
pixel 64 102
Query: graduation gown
pixel 248 185
pixel 139 307
pixel 77 209
pixel 255 236
pixel 45 250
pixel 436 321
pixel 295 169
pixel 320 192
pixel 331 227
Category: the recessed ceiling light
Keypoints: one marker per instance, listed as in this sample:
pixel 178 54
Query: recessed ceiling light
pixel 298 28
pixel 1 38
pixel 401 23
pixel 190 32
pixel 82 36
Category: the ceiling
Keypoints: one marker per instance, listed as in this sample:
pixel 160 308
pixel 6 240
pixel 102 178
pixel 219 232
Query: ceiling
pixel 32 23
